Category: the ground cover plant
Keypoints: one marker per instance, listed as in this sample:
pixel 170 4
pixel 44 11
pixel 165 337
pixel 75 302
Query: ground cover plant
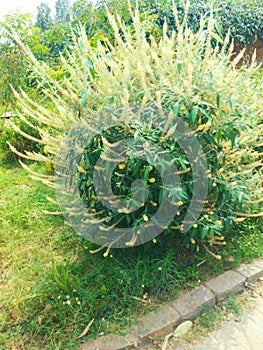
pixel 54 288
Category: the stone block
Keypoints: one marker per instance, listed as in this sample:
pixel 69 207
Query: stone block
pixel 191 305
pixel 228 282
pixel 158 323
pixel 112 342
pixel 252 271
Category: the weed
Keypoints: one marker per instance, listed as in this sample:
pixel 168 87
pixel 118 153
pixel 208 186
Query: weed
pixel 233 305
pixel 209 317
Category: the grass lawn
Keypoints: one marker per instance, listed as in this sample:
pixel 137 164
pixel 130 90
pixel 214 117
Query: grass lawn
pixel 52 287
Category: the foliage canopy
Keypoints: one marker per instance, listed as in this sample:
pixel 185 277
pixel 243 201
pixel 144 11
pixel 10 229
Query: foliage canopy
pixel 181 74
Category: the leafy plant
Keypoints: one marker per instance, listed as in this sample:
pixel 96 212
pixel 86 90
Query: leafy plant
pixel 180 75
pixel 8 134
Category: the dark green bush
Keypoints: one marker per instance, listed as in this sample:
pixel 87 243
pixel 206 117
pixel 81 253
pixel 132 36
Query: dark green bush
pixel 16 139
pixel 244 18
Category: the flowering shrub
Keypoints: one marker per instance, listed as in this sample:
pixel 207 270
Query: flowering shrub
pixel 181 75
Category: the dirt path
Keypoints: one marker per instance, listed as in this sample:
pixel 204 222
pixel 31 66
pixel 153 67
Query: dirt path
pixel 244 335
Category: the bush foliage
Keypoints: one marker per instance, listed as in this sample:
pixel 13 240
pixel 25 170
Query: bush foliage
pixel 181 75
pixel 243 18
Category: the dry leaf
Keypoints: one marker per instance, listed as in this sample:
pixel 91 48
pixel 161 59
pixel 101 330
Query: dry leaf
pixel 39 320
pixel 16 315
pixel 166 339
pixel 47 308
pixel 86 329
pixel 250 285
pixel 230 258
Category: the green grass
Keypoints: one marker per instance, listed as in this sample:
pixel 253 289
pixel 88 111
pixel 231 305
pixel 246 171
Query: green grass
pixel 55 287
pixel 211 316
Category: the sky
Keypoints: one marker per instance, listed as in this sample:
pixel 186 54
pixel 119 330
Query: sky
pixel 25 6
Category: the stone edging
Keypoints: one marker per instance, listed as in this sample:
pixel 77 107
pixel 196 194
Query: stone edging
pixel 162 321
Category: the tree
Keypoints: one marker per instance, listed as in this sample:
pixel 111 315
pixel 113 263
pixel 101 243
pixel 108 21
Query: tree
pixel 62 11
pixel 13 65
pixel 82 11
pixel 57 39
pixel 44 20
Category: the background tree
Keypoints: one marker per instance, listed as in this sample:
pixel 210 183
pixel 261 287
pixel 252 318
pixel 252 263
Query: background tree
pixel 44 20
pixel 13 65
pixel 57 39
pixel 62 11
pixel 82 11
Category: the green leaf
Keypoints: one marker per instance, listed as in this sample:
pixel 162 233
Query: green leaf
pixel 146 173
pixel 204 232
pixel 81 46
pixel 83 97
pixel 176 109
pixel 218 27
pixel 232 137
pixel 211 233
pixel 229 102
pixel 91 67
pixel 179 66
pixel 217 37
pixel 218 100
pixel 193 114
pixel 219 135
